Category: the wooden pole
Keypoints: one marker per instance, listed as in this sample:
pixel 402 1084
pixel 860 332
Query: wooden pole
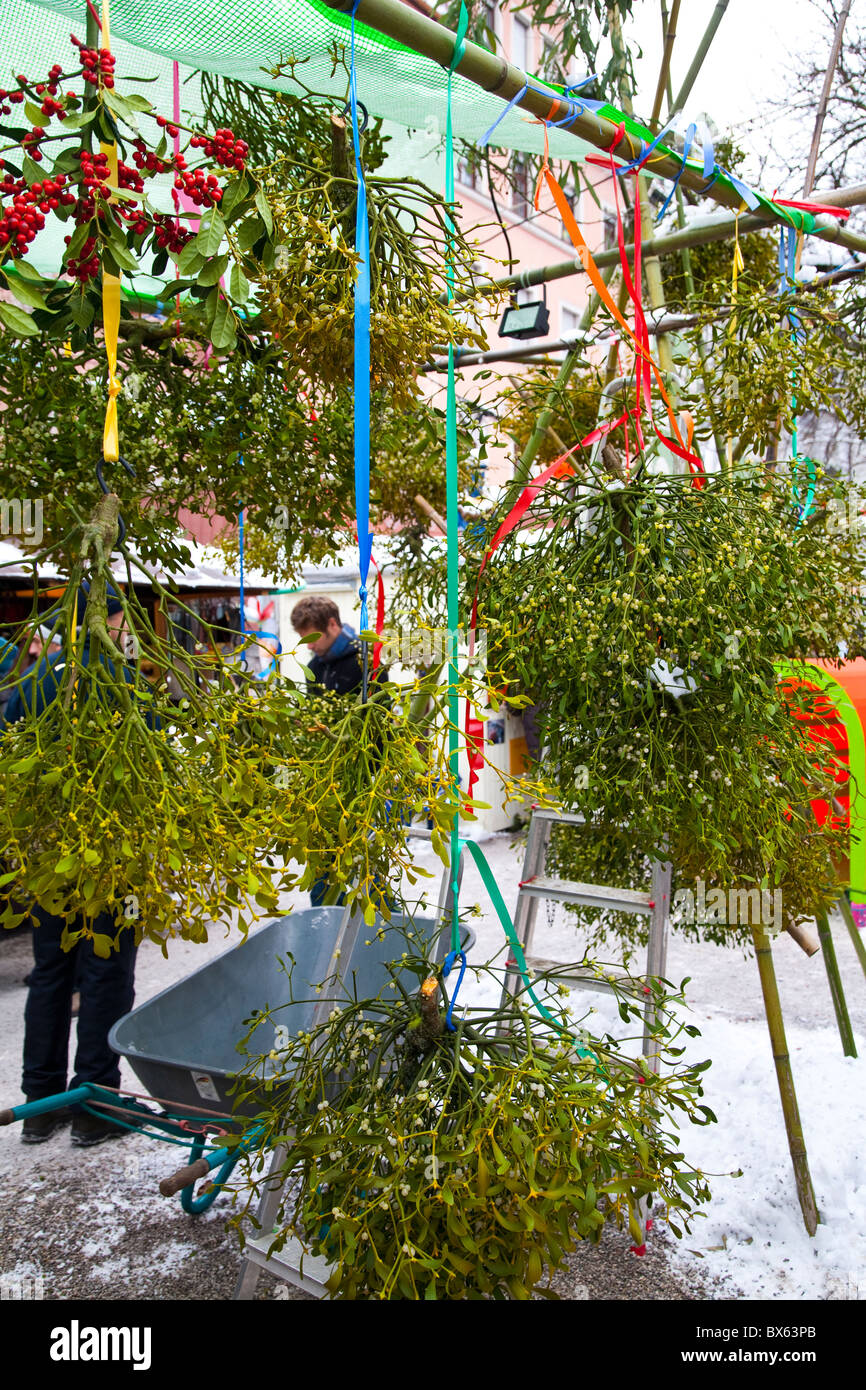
pixel 828 951
pixel 669 30
pixel 785 1078
pixel 848 916
pixel 821 113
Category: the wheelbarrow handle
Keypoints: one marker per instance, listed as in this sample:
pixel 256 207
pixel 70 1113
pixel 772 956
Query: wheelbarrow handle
pixel 7 1117
pixel 184 1177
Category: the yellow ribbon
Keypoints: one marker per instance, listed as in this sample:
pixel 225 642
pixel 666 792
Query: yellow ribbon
pixel 737 268
pixel 110 303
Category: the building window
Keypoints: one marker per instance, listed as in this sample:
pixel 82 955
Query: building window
pixel 467 173
pixel 520 44
pixel 569 321
pixel 520 192
pixel 489 10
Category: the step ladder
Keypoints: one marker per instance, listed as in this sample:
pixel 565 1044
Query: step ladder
pixel 536 884
pixel 287 1263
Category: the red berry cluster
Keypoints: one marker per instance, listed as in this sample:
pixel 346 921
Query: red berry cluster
pixel 97 64
pixel 50 107
pixel 168 125
pixel 31 142
pixel 84 266
pixel 146 159
pixel 25 215
pixel 169 234
pixel 87 191
pixel 223 148
pixel 203 189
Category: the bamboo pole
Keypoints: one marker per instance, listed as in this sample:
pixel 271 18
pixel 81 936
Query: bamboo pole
pixel 669 31
pixel 698 60
pixel 848 917
pixel 785 1078
pixel 651 261
pixel 837 993
pixel 671 323
pixel 698 233
pixel 502 79
pixel 685 251
pixel 821 113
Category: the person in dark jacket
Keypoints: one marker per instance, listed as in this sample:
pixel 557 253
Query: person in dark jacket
pixel 335 664
pixel 336 659
pixel 106 987
pixel 9 659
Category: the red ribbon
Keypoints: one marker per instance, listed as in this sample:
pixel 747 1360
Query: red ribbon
pixel 380 614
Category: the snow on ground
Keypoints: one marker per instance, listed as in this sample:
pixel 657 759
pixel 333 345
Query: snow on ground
pixel 754 1238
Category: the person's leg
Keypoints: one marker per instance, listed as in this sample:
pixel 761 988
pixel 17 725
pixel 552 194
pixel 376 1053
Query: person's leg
pixel 318 891
pixel 47 1012
pixel 107 993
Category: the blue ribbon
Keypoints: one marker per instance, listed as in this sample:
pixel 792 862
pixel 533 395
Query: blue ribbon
pixel 362 350
pixel 576 108
pixel 691 134
pixel 646 150
pixel 446 971
pixel 751 199
pixel 709 152
pixel 501 117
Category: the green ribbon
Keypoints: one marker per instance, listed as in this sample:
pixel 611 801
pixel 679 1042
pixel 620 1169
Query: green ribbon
pixel 451 472
pixel 514 942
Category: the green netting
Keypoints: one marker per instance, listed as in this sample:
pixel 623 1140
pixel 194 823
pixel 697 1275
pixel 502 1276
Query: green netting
pixel 240 38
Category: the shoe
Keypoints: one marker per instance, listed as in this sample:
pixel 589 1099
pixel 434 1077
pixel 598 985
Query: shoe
pixel 38 1128
pixel 88 1130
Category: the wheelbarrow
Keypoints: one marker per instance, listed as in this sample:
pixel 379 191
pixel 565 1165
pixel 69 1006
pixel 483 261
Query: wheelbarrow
pixel 182 1044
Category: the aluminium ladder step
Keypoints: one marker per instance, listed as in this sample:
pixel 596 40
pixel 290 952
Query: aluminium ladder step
pixel 588 894
pixel 286 1263
pixel 582 978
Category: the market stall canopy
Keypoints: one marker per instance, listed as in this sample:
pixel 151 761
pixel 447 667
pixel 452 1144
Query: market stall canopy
pixel 204 573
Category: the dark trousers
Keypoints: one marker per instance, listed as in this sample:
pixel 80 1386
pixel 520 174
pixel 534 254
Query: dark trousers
pixel 106 989
pixel 318 891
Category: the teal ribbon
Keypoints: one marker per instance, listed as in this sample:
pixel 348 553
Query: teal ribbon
pixel 514 942
pixel 451 471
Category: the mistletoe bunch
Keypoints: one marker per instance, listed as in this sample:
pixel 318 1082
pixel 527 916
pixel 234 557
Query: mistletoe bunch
pixel 647 619
pixel 307 291
pixel 190 798
pixel 429 1164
